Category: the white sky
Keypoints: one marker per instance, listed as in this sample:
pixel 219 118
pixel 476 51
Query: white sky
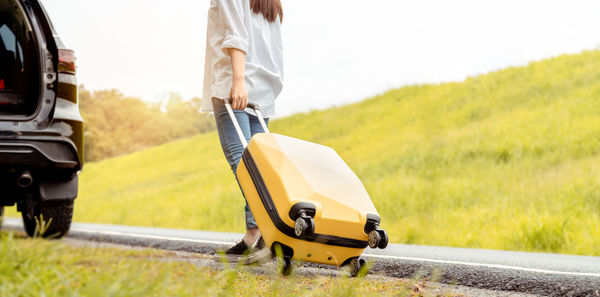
pixel 337 51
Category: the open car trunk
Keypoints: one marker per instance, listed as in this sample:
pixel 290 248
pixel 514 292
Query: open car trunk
pixel 19 63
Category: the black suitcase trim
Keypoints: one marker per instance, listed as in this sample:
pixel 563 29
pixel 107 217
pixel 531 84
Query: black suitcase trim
pixel 267 202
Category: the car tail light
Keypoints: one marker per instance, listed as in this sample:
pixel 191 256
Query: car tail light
pixel 66 61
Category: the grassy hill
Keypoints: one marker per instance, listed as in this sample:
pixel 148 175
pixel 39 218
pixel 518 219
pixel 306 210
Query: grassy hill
pixel 506 160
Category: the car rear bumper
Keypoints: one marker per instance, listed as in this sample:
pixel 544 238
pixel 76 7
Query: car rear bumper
pixel 39 152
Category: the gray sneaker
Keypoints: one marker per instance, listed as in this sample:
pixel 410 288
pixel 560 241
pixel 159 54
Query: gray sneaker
pixel 260 244
pixel 259 257
pixel 241 248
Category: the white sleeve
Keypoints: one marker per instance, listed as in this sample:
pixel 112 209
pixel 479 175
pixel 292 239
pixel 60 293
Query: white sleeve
pixel 232 25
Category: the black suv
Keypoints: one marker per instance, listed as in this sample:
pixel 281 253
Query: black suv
pixel 41 130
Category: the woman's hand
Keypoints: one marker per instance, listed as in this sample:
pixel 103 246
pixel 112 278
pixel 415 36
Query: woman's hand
pixel 239 93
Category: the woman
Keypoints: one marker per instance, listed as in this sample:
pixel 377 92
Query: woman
pixel 244 62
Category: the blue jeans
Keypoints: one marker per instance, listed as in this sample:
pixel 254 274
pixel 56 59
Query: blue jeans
pixel 230 142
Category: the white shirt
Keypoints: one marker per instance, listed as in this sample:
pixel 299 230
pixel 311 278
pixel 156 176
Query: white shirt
pixel 231 24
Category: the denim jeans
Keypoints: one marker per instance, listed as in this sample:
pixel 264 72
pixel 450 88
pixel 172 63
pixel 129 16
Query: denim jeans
pixel 230 142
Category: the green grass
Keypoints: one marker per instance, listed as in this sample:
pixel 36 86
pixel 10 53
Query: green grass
pixel 33 267
pixel 506 160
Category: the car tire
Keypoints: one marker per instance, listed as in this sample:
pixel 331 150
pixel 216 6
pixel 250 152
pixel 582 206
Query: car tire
pixel 61 213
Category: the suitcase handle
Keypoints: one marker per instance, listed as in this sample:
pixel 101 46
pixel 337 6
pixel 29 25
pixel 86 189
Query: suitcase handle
pixel 237 125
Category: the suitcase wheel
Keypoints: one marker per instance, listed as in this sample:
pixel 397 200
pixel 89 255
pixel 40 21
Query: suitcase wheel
pixel 283 265
pixel 378 238
pixel 384 239
pixel 358 267
pixel 305 225
pixel 374 239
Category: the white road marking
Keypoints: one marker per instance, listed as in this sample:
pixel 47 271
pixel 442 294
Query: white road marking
pixel 485 265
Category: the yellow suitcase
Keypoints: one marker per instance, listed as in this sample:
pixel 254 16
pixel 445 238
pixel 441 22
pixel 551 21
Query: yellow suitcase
pixel 308 204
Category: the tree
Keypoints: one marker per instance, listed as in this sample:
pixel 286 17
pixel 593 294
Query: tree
pixel 117 125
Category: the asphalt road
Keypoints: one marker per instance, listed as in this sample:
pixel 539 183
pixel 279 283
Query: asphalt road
pixel 533 273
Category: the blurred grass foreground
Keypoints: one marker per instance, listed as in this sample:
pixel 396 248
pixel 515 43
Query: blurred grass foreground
pixel 506 160
pixel 35 267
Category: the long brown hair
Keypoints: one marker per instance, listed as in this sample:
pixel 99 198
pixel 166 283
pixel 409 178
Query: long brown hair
pixel 270 9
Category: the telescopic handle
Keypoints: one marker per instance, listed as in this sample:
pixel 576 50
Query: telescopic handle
pixel 249 105
pixel 236 125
